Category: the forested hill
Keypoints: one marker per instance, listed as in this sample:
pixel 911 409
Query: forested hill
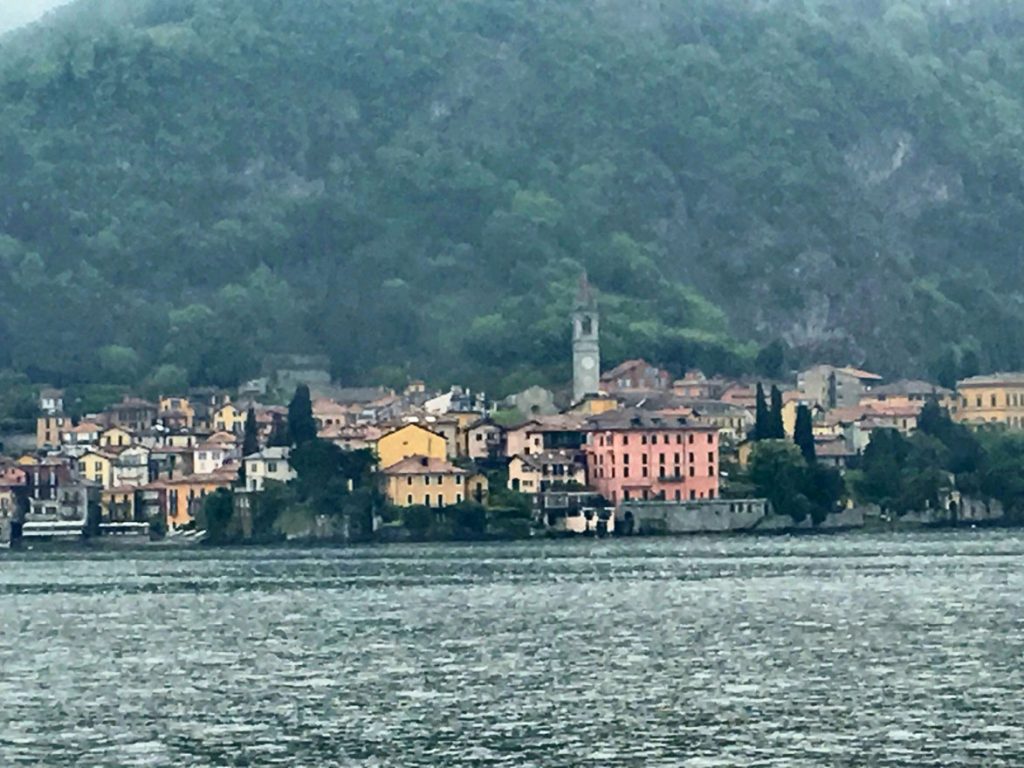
pixel 414 187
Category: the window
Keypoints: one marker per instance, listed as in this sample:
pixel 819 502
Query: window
pixel 625 472
pixel 408 480
pixel 693 458
pixel 645 472
pixel 426 500
pixel 679 439
pixel 993 400
pixel 693 495
pixel 711 457
pixel 458 498
pixel 643 439
pixel 664 439
pixel 693 472
pixel 625 439
pixel 691 440
pixel 661 472
pixel 458 479
pixel 271 467
pixel 426 479
pixel 679 495
pixel 625 458
pixel 625 495
pixel 661 458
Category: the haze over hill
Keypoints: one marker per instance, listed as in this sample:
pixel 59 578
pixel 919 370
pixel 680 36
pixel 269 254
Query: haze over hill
pixel 15 13
pixel 413 189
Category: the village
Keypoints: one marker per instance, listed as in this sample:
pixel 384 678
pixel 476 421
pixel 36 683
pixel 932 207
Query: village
pixel 628 450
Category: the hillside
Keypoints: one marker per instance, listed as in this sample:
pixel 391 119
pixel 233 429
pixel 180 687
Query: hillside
pixel 413 189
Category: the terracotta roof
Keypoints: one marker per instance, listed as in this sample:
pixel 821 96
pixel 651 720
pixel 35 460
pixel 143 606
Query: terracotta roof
pixel 121 489
pixel 423 465
pixel 623 367
pixel 84 427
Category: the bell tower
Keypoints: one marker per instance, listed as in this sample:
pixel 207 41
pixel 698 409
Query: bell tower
pixel 586 343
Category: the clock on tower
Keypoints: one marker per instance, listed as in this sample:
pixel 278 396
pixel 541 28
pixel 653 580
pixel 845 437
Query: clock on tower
pixel 586 346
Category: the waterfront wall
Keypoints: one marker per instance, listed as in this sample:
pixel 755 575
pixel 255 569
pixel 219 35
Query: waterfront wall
pixel 720 516
pixel 696 516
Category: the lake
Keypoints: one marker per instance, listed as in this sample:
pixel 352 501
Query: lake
pixel 852 650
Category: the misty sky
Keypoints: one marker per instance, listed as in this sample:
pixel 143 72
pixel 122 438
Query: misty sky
pixel 14 13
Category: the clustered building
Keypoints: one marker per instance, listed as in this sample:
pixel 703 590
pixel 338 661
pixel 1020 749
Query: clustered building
pixel 630 434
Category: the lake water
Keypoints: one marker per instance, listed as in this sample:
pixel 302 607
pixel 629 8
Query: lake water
pixel 855 650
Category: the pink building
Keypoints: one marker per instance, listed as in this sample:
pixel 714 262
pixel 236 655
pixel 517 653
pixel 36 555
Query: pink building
pixel 650 455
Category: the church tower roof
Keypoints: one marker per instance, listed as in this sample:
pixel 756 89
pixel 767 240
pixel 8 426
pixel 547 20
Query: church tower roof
pixel 585 295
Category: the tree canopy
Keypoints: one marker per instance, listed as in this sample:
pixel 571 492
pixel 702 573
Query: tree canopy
pixel 412 189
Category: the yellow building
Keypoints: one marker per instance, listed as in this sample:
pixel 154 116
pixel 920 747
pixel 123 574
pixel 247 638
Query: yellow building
pixel 996 399
pixel 177 411
pixel 410 440
pixel 595 405
pixel 118 504
pixel 186 495
pixel 791 403
pixel 97 467
pixel 228 418
pixel 115 437
pixel 431 482
pixel 545 471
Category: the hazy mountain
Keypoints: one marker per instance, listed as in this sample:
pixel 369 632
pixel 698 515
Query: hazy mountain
pixel 15 13
pixel 414 188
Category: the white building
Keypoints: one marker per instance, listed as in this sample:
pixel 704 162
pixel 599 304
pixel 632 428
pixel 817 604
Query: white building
pixel 209 457
pixel 268 464
pixel 132 466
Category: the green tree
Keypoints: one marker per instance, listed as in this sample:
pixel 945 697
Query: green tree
pixel 803 433
pixel 762 428
pixel 279 437
pixel 250 438
pixel 881 480
pixel 215 516
pixel 119 365
pixel 301 425
pixel 771 360
pixel 776 430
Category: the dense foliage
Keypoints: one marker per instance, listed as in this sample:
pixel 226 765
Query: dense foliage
pixel 413 188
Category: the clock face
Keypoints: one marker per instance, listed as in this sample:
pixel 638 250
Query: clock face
pixel 587 363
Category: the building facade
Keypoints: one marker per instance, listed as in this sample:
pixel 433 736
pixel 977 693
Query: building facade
pixel 835 387
pixel 269 464
pixel 431 482
pixel 641 455
pixel 995 399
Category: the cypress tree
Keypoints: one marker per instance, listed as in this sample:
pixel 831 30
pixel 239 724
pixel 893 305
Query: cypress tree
pixel 251 439
pixel 803 433
pixel 761 417
pixel 775 429
pixel 301 425
pixel 279 433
